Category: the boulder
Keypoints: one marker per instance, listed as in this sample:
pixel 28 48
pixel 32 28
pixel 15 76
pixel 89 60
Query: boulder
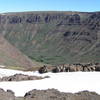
pixel 97 68
pixel 7 95
pixel 56 70
pixel 43 69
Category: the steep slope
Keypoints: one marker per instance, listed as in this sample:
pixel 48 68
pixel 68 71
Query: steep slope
pixel 12 57
pixel 54 37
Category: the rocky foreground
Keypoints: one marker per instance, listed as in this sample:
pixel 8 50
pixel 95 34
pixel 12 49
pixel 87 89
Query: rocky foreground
pixel 50 94
pixel 21 77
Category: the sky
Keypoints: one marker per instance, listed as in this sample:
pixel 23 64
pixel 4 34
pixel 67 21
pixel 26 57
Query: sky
pixel 49 5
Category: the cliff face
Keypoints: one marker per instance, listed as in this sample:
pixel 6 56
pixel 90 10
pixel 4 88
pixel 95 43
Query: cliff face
pixel 54 37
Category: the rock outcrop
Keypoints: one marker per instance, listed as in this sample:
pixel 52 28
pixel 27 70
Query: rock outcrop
pixel 20 77
pixel 71 68
pixel 7 95
pixel 52 94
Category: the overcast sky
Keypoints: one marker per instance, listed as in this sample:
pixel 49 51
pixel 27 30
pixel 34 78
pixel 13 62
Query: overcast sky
pixel 49 5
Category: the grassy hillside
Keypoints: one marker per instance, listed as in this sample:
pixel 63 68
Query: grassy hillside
pixel 54 37
pixel 12 58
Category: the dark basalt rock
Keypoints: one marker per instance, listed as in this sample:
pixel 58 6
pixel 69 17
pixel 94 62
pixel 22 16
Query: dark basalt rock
pixel 47 18
pixel 15 20
pixel 97 68
pixel 56 70
pixel 93 22
pixel 67 34
pixel 43 69
pixel 56 17
pixel 33 19
pixel 71 68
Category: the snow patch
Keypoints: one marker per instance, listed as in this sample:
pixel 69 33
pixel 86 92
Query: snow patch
pixel 64 82
pixel 2 66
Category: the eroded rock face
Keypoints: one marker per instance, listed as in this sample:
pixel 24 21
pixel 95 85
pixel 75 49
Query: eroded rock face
pixel 7 95
pixel 30 18
pixel 71 68
pixel 52 94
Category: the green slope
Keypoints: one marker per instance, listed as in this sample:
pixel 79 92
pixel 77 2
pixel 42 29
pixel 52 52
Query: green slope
pixel 12 58
pixel 54 37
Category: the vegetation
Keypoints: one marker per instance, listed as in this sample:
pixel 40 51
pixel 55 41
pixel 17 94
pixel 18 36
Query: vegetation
pixel 54 37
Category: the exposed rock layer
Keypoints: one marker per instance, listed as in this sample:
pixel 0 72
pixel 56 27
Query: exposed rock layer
pixel 71 68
